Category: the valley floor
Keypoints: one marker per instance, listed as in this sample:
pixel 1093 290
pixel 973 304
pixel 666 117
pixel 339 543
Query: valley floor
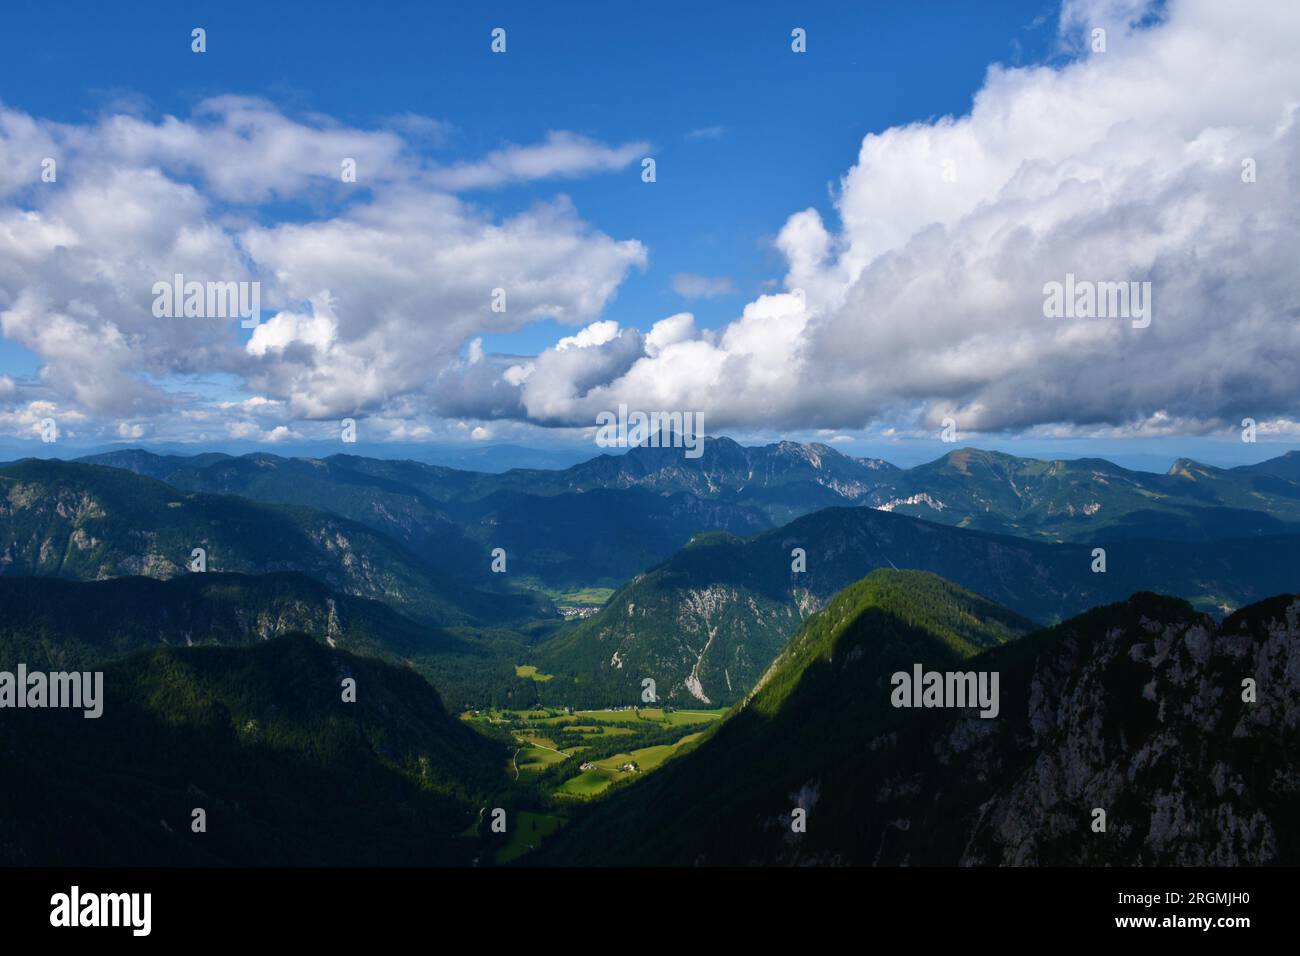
pixel 563 757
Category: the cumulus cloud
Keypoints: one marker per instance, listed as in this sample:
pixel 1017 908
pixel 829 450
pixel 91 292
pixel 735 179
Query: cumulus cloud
pixel 666 332
pixel 369 299
pixel 245 150
pixel 598 333
pixel 397 286
pixel 132 430
pixel 251 431
pixel 925 298
pixel 29 419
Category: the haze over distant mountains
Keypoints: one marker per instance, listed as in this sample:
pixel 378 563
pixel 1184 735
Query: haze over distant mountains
pixel 772 484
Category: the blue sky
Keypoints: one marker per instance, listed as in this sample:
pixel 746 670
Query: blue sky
pixel 702 86
pixel 762 186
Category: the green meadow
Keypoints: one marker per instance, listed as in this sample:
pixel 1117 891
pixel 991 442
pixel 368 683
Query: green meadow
pixel 674 718
pixel 529 831
pixel 591 597
pixel 608 770
pixel 552 744
pixel 530 672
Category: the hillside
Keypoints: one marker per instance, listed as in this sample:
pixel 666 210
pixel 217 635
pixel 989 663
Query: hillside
pixel 57 624
pixel 555 527
pixel 391 506
pixel 87 522
pixel 705 624
pixel 1092 500
pixel 600 537
pixel 1134 708
pixel 260 738
pixel 1286 467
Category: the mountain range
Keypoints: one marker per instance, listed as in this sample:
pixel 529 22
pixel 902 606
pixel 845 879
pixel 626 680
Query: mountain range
pixel 87 522
pixel 604 520
pixel 1122 611
pixel 704 613
pixel 1092 500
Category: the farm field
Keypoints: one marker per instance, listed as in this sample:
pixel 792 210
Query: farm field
pixel 622 715
pixel 582 596
pixel 593 597
pixel 607 771
pixel 537 758
pixel 553 745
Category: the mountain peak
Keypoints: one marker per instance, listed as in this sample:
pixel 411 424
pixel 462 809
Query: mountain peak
pixel 1190 468
pixel 961 459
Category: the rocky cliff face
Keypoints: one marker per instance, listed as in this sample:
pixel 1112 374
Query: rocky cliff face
pixel 702 646
pixel 1186 734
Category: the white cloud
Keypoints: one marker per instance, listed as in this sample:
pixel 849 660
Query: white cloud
pixel 316 331
pixel 251 431
pixel 246 150
pixel 561 155
pixel 669 331
pixel 925 298
pixel 598 333
pixel 29 420
pixel 256 405
pixel 410 278
pixel 132 430
pixel 370 299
